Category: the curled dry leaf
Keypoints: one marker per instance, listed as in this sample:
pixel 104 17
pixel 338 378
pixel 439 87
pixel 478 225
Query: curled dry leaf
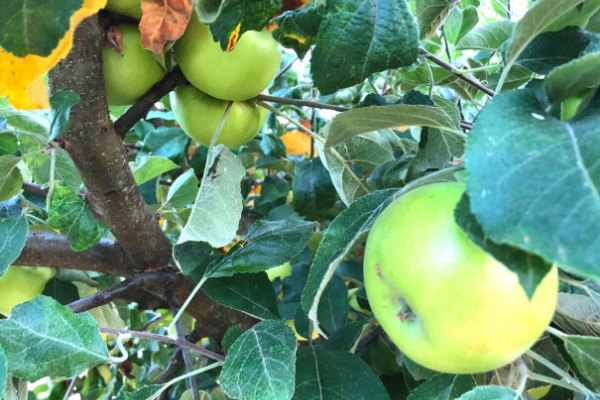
pixel 163 21
pixel 114 40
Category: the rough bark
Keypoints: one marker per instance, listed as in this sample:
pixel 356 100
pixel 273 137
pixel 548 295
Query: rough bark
pixel 99 154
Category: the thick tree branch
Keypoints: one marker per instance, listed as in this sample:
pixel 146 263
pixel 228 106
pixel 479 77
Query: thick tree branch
pixel 99 155
pixel 450 68
pixel 50 249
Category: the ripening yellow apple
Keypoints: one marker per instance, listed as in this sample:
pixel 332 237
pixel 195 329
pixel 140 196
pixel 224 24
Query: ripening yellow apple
pixel 281 271
pixel 130 8
pixel 237 75
pixel 21 284
pixel 129 77
pixel 200 114
pixel 445 303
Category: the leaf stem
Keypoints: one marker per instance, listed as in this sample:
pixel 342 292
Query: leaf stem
pixel 468 71
pixel 184 377
pixel 52 181
pixel 430 72
pixel 172 328
pixel 559 371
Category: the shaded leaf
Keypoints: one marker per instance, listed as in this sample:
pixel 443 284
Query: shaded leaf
pixel 13 233
pixel 11 179
pixel 184 190
pixel 141 394
pixel 164 142
pixel 261 363
pixel 572 77
pixel 312 188
pixel 491 392
pixel 333 307
pixel 431 15
pixel 490 36
pixel 443 387
pixel 61 103
pixel 577 314
pixel 585 352
pixel 298 29
pixel 231 336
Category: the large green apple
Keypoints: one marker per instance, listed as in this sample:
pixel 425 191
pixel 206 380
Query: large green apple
pixel 237 75
pixel 200 114
pixel 21 284
pixel 468 313
pixel 129 77
pixel 131 8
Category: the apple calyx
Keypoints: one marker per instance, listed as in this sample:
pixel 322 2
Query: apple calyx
pixel 405 312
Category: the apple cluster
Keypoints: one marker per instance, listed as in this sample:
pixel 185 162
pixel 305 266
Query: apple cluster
pixel 215 77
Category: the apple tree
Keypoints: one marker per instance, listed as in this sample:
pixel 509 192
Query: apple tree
pixel 300 199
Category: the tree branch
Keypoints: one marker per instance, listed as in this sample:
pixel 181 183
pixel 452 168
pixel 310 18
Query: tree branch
pixel 160 338
pixel 145 103
pixel 450 68
pixel 300 103
pixel 99 155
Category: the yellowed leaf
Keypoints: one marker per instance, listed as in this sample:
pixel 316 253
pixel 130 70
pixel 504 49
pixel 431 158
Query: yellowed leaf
pixel 22 79
pixel 163 21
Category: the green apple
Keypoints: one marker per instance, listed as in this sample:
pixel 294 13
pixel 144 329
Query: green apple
pixel 129 77
pixel 237 75
pixel 282 271
pixel 445 303
pixel 200 114
pixel 130 8
pixel 21 284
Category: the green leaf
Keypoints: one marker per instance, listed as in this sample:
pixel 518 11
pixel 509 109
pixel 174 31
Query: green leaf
pixel 577 16
pixel 360 37
pixel 69 214
pixel 542 14
pixel 312 188
pixel 436 149
pixel 150 167
pixel 252 294
pixel 61 104
pixel 391 174
pixel 491 392
pixel 273 193
pixel 577 314
pixel 348 228
pixel 45 339
pixel 164 142
pixel 368 119
pixel 417 371
pixel 517 77
pixel 208 10
pixel 552 49
pixel 487 37
pixel 231 336
pixel 261 363
pixel 40 165
pixel 365 151
pixel 460 22
pixel 267 244
pixel 193 258
pixel 11 179
pixel 13 233
pixel 333 307
pixel 573 77
pixel 443 387
pixel 533 180
pixel 272 145
pixel 34 26
pixel 431 15
pixel 383 359
pixel 8 142
pixel 184 190
pixel 585 352
pixel 239 16
pixel 141 394
pixel 347 338
pixel 3 370
pixel 410 78
pixel 330 375
pixel 530 268
pixel 298 29
pixel 218 207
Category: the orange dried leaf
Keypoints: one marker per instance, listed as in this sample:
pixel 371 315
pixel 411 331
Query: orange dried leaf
pixel 297 143
pixel 22 79
pixel 163 21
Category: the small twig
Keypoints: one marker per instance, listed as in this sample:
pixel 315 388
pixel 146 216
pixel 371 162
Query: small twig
pixel 508 12
pixel 450 68
pixel 466 125
pixel 312 124
pixel 145 103
pixel 378 330
pixel 71 387
pixel 284 70
pixel 192 337
pixel 152 321
pixel 165 339
pixel 373 87
pixel 34 188
pixel 446 45
pixel 136 282
pixel 300 103
pixel 187 359
pixel 385 84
